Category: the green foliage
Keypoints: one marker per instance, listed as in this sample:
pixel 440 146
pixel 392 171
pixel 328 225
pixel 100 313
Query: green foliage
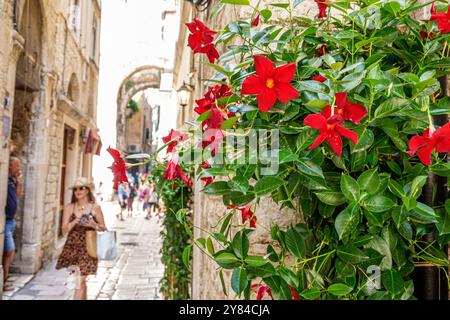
pixel 176 235
pixel 364 208
pixel 133 105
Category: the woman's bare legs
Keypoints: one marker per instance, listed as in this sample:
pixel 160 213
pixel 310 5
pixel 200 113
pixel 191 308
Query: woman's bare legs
pixel 81 289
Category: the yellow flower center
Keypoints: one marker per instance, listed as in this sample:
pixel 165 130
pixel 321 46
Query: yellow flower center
pixel 270 83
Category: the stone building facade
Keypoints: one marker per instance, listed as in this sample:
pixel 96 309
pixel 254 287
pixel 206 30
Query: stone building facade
pixel 49 58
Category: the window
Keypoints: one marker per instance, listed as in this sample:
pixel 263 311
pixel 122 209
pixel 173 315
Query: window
pixel 75 17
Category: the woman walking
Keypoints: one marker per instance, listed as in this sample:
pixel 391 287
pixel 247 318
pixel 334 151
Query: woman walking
pixel 80 216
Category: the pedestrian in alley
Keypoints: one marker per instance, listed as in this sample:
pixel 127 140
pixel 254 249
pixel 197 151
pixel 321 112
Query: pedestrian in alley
pixel 81 215
pixel 122 196
pixel 99 192
pixel 132 193
pixel 152 202
pixel 15 188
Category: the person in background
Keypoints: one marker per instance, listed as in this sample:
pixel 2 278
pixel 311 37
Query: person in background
pixel 123 196
pixel 15 189
pixel 99 192
pixel 144 193
pixel 131 195
pixel 152 202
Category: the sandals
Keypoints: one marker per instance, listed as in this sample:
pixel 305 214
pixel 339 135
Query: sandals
pixel 8 288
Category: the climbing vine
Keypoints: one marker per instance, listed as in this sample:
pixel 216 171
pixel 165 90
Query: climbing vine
pixel 176 235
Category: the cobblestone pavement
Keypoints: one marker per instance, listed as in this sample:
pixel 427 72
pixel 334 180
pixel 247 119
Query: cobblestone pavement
pixel 134 275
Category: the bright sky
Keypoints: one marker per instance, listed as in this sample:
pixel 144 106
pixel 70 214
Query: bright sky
pixel 130 37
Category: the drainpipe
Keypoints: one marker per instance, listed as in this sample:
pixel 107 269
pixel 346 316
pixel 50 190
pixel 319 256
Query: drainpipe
pixel 430 282
pixel 15 15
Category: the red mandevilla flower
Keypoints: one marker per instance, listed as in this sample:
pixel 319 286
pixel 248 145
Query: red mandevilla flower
pixel 213 138
pixel 119 168
pixel 174 135
pixel 294 294
pixel 174 171
pixel 442 18
pixel 255 22
pixel 322 8
pixel 424 145
pixel 207 180
pixel 261 290
pixel 201 38
pixel 331 131
pixel 349 111
pixel 247 214
pixel 270 84
pixel 210 99
pixel 321 50
pixel 426 36
pixel 319 78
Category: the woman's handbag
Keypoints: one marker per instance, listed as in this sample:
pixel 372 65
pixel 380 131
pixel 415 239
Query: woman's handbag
pixel 102 245
pixel 91 243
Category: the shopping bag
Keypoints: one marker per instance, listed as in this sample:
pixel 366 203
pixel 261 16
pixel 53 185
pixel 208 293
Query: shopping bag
pixel 106 245
pixel 91 243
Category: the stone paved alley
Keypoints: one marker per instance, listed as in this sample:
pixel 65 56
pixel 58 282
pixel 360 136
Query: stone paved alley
pixel 134 275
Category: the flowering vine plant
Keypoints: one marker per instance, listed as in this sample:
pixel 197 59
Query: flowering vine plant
pixel 355 96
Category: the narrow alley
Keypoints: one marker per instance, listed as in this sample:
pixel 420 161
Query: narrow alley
pixel 134 275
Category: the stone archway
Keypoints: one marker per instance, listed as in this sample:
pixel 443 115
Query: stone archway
pixel 28 127
pixel 140 79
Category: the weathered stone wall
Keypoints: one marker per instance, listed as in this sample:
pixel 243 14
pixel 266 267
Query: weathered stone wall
pixel 65 55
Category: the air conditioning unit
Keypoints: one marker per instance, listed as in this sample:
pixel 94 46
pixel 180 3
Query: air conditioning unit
pixel 134 148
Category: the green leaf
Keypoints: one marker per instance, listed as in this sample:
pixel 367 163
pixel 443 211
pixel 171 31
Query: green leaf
pixel 391 106
pixel 380 245
pixel 240 199
pixel 392 281
pixel 255 261
pixel 365 141
pixel 310 168
pixel 266 13
pixel 222 281
pixel 229 123
pixel 217 188
pixel 268 184
pixel 226 260
pixel 240 244
pixel 378 203
pixel 396 188
pixel 279 288
pixel 305 139
pixel 350 188
pixel 237 2
pixel 443 222
pixel 226 223
pixel 417 185
pixel 347 221
pixel 239 280
pixel 187 255
pixel 210 246
pixel 351 254
pixel 280 5
pixel 332 198
pixel 287 156
pixel 295 243
pixel 426 212
pixel 390 128
pixel 311 293
pixel 317 104
pixel 339 289
pixel 369 181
